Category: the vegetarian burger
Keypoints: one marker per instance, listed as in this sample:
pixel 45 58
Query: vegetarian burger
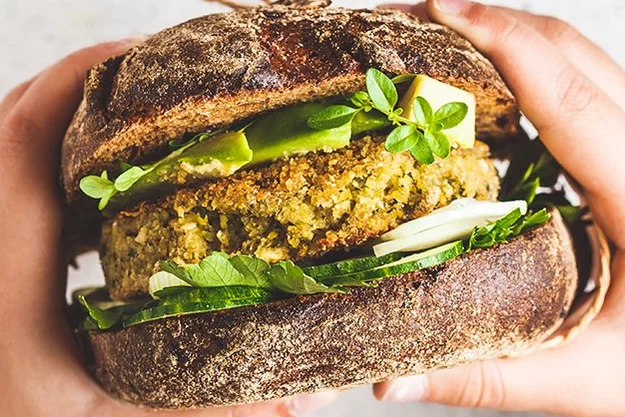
pixel 294 199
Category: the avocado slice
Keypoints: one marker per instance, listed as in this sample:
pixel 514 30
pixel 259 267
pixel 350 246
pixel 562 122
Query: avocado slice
pixel 285 132
pixel 369 121
pixel 214 157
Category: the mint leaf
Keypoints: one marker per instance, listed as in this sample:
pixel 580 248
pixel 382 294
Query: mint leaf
pixel 289 278
pixel 96 187
pixel 129 177
pixel 253 269
pixel 104 319
pixel 361 100
pixel 105 200
pixel 403 78
pixel 438 143
pixel 332 117
pixel 421 151
pixel 402 138
pixel 381 90
pixel 451 114
pixel 219 270
pixel 422 111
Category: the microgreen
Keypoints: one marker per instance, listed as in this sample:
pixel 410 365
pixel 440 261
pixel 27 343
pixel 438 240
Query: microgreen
pixel 505 228
pixel 98 318
pixel 424 137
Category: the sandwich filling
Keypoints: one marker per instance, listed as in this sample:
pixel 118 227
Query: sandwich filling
pixel 307 199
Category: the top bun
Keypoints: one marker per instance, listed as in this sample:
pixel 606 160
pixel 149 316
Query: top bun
pixel 221 68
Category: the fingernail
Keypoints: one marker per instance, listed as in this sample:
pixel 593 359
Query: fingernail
pixel 302 405
pixel 451 6
pixel 409 388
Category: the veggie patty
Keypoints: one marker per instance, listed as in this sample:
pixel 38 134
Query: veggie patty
pixel 298 209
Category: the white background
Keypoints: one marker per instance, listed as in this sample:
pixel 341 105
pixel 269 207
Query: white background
pixel 35 33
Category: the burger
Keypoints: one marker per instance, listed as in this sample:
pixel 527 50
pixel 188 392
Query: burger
pixel 292 199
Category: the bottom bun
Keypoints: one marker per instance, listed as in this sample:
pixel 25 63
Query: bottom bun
pixel 488 303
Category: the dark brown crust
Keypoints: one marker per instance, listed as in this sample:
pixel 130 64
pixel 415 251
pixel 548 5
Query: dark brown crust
pixel 492 303
pixel 216 69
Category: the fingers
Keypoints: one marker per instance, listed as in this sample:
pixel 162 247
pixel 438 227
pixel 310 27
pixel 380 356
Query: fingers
pixel 555 381
pixel 37 121
pixel 13 96
pixel 300 405
pixel 579 124
pixel 591 60
pixel 31 132
pixel 418 9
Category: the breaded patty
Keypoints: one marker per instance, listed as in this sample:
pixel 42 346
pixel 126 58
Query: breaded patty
pixel 300 208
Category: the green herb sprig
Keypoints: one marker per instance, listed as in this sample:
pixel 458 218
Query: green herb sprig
pixel 542 172
pixel 424 138
pixel 500 231
pixel 99 318
pixel 102 188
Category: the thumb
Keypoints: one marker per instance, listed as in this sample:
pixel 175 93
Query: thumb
pixel 476 385
pixel 552 381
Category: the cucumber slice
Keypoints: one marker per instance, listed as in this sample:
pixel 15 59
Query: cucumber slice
pixel 407 264
pixel 350 266
pixel 447 224
pixel 200 300
pixel 463 209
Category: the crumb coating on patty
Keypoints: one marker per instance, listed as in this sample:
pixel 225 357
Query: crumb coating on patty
pixel 300 208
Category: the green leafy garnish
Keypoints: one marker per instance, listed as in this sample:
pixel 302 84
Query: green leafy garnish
pixel 289 278
pixel 382 91
pixel 505 228
pixel 403 78
pixel 541 172
pixel 220 270
pixel 215 270
pixel 253 269
pixel 533 177
pixel 102 319
pixel 102 188
pixel 423 138
pixel 332 117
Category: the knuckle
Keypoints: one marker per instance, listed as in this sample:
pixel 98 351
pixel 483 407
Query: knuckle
pixel 507 30
pixel 502 27
pixel 17 128
pixel 574 92
pixel 559 31
pixel 12 96
pixel 483 386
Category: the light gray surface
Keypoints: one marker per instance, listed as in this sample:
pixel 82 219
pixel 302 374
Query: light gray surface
pixel 35 33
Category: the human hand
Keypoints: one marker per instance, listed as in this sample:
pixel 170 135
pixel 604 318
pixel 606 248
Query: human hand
pixel 42 374
pixel 575 96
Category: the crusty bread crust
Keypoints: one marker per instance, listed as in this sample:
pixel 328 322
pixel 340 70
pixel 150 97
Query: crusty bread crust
pixel 488 303
pixel 217 69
